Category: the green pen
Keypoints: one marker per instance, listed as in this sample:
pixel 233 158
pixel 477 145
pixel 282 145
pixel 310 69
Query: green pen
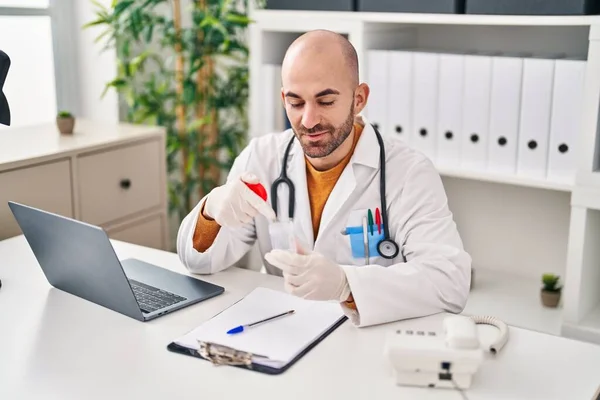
pixel 370 214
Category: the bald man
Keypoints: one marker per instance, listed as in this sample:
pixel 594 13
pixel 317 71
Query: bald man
pixel 382 254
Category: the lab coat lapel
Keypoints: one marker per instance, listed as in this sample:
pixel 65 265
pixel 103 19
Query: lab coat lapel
pixel 366 154
pixel 302 214
pixel 339 195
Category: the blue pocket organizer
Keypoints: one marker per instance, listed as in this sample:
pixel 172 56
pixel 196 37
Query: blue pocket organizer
pixel 357 242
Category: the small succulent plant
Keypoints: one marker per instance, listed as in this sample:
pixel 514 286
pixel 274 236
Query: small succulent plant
pixel 65 114
pixel 550 282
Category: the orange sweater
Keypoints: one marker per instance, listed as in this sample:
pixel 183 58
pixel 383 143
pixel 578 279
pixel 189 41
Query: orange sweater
pixel 319 183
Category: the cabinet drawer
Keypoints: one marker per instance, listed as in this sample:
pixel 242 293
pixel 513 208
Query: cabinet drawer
pixel 45 186
pixel 116 183
pixel 147 233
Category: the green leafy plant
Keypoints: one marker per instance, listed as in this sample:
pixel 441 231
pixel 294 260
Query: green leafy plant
pixel 64 114
pixel 192 80
pixel 550 282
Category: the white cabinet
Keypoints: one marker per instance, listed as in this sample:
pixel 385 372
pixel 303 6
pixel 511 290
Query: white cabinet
pixel 113 176
pixel 128 177
pixel 46 186
pixel 147 232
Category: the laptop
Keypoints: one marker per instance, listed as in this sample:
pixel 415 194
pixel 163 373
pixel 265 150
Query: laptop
pixel 78 258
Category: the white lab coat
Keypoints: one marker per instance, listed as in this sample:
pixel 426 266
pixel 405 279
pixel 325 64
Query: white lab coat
pixel 434 275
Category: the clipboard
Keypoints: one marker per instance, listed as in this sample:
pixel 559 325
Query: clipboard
pixel 327 318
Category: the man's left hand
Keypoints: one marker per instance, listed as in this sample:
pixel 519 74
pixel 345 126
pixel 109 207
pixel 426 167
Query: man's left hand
pixel 311 276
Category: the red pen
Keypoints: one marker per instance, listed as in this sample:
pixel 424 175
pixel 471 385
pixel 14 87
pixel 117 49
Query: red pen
pixel 378 220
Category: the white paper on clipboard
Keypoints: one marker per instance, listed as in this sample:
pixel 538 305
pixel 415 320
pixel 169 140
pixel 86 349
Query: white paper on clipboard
pixel 280 341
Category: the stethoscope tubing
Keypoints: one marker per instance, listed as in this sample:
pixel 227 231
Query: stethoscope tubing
pixel 284 179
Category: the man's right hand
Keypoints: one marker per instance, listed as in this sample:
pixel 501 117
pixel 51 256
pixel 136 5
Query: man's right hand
pixel 235 204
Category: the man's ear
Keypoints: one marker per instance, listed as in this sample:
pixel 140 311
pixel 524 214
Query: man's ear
pixel 361 95
pixel 282 97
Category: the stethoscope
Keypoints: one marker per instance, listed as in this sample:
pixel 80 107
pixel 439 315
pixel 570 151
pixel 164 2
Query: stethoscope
pixel 386 247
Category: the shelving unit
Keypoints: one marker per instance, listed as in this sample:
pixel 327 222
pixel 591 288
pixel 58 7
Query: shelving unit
pixel 269 18
pixel 505 179
pixel 516 228
pixel 587 329
pixel 582 297
pixel 514 299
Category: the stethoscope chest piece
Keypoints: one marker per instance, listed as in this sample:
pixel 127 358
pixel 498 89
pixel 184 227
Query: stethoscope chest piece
pixel 388 248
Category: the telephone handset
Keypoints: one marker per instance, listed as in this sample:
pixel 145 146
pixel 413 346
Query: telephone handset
pixel 447 359
pixel 461 332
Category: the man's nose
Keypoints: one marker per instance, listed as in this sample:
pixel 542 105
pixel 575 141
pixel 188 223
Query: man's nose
pixel 310 117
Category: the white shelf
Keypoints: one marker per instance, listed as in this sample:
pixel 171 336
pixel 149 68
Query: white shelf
pixel 505 179
pixel 586 197
pixel 592 321
pixel 262 16
pixel 513 299
pixel 588 329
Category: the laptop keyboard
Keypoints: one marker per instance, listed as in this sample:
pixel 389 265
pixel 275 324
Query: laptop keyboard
pixel 151 299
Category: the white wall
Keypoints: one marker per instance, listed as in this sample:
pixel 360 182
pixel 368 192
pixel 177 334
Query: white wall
pixel 29 87
pixel 95 68
pixel 505 227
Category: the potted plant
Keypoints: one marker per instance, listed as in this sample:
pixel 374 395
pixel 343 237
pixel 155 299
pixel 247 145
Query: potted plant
pixel 201 96
pixel 550 292
pixel 65 122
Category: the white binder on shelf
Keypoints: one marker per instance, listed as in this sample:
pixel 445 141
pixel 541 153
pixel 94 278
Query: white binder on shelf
pixel 505 106
pixel 378 78
pixel 476 111
pixel 273 111
pixel 565 121
pixel 534 126
pixel 450 103
pixel 400 96
pixel 425 99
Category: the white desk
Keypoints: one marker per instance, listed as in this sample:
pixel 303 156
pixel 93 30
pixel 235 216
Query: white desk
pixel 56 346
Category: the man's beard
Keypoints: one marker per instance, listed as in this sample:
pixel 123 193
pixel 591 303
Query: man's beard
pixel 331 140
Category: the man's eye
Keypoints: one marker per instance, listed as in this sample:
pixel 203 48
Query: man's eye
pixel 327 103
pixel 295 105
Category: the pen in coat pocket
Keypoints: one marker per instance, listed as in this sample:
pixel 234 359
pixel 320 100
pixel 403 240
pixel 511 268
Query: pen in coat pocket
pixel 366 240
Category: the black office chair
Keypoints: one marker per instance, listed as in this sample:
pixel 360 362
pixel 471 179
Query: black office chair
pixel 4 110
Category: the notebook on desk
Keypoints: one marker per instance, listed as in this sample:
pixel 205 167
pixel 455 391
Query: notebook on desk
pixel 271 347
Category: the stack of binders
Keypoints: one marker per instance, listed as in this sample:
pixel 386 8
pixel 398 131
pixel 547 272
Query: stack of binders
pixel 507 114
pixel 273 116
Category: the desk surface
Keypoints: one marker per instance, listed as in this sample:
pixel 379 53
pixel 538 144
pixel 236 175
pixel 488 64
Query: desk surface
pixel 56 346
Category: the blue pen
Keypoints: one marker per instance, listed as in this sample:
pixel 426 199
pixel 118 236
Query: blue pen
pixel 241 328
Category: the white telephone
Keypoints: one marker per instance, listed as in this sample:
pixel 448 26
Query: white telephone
pixel 428 359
